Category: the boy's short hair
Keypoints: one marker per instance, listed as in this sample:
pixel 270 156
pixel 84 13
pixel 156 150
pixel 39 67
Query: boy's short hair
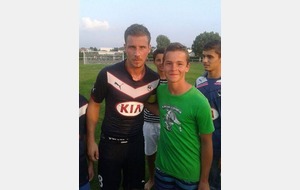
pixel 158 51
pixel 176 46
pixel 213 45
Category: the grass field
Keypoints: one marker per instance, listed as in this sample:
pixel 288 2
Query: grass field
pixel 87 77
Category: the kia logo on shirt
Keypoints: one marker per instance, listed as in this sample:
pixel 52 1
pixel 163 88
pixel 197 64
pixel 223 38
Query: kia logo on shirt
pixel 130 108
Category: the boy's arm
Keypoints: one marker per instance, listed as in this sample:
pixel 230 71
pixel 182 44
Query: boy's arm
pixel 153 108
pixel 206 160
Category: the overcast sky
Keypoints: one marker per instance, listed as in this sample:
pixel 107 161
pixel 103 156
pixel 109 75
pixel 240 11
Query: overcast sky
pixel 102 23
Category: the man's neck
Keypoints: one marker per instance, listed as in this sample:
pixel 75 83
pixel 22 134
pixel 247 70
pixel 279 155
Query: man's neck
pixel 214 74
pixel 137 73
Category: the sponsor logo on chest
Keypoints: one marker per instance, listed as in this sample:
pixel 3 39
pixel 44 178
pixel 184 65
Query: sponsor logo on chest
pixel 130 108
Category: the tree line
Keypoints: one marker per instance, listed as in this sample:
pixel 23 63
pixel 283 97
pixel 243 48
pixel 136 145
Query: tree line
pixel 163 41
pixel 198 44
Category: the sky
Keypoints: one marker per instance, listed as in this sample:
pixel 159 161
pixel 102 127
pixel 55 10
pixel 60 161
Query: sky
pixel 103 23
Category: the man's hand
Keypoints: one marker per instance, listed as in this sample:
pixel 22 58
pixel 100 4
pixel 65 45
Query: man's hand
pixel 91 170
pixel 93 151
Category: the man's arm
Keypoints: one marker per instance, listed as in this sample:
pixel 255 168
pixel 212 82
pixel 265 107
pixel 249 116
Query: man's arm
pixel 206 160
pixel 92 119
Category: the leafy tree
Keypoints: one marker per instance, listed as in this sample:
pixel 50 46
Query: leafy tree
pixel 93 49
pixel 162 41
pixel 202 39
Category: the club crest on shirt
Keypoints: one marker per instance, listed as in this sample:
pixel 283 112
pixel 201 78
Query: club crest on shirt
pixel 150 87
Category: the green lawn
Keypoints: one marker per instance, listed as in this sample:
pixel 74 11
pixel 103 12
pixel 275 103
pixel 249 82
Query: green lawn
pixel 87 77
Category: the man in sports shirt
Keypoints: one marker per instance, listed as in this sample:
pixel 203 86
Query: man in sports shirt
pixel 210 85
pixel 125 86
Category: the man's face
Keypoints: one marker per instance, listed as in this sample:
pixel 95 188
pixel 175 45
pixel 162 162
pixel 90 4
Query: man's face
pixel 210 60
pixel 137 49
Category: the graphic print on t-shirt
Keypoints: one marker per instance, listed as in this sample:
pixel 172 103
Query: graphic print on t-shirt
pixel 171 118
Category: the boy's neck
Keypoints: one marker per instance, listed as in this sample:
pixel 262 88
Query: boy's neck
pixel 179 88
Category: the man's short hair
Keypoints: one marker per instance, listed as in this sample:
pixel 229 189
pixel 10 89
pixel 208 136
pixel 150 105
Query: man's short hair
pixel 137 30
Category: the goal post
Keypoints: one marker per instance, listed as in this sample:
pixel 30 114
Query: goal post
pixel 99 57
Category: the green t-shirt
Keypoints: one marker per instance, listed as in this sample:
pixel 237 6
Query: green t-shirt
pixel 183 118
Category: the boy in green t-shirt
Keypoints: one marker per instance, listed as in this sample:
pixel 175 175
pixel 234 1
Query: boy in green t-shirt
pixel 185 151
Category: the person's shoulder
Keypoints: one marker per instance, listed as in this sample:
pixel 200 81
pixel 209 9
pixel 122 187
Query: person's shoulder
pixel 81 97
pixel 118 64
pixel 202 99
pixel 151 72
pixel 114 66
pixel 200 80
pixel 82 100
pixel 197 93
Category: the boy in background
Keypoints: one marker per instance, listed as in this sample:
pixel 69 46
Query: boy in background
pixel 86 167
pixel 210 85
pixel 151 125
